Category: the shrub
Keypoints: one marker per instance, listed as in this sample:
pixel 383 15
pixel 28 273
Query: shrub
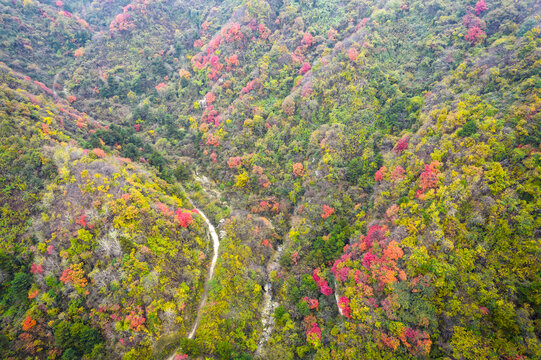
pixel 468 129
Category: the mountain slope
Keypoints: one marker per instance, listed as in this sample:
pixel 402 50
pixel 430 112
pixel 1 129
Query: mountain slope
pixel 389 148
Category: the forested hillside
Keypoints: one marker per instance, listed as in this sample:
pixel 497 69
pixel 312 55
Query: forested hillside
pixel 373 169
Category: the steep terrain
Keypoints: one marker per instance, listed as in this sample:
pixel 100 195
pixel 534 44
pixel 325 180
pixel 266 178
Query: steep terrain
pixel 376 165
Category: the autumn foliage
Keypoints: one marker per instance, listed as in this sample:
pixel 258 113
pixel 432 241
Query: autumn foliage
pixel 234 162
pixel 98 152
pixel 313 333
pixel 298 169
pixel 288 106
pixel 429 178
pixel 283 107
pixel 475 35
pixel 321 283
pixel 74 275
pixel 28 323
pixel 210 97
pixel 36 269
pixel 184 218
pixel 380 174
pixel 327 212
pixel 79 52
pixel 305 68
pixel 401 145
pixel 480 7
pixel 307 39
pixel 312 303
pixel 353 54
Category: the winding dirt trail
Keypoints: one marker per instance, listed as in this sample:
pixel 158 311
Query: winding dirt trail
pixel 216 247
pixel 268 306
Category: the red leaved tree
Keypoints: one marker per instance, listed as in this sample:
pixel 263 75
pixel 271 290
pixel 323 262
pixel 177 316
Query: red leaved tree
pixel 307 39
pixel 184 218
pixel 234 162
pixel 402 144
pixel 298 169
pixel 353 54
pixel 327 211
pixel 305 68
pixel 475 35
pixel 480 7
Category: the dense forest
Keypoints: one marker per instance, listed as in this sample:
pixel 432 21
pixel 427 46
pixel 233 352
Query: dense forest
pixel 367 174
